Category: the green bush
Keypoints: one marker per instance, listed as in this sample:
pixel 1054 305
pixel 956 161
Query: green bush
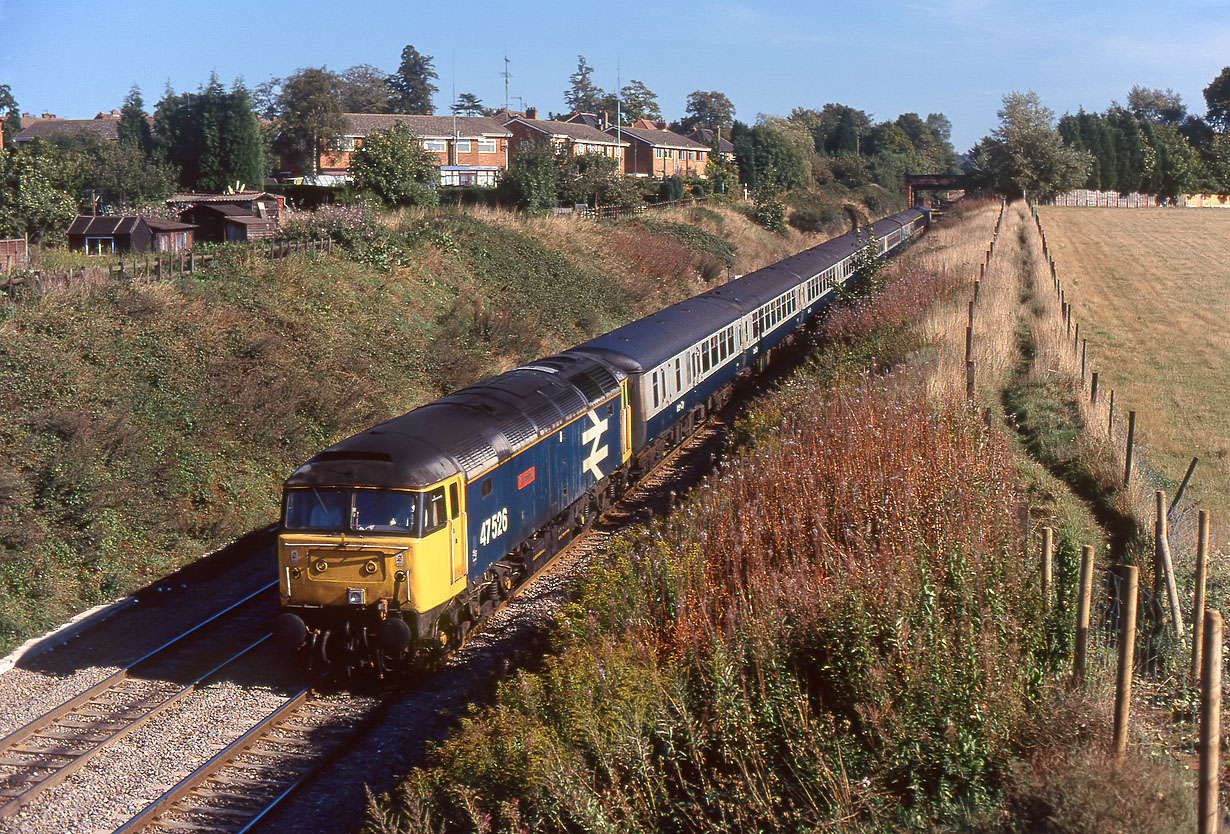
pixel 671 189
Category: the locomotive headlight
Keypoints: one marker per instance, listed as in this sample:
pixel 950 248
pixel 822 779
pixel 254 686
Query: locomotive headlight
pixel 370 566
pixel 320 566
pixel 296 573
pixel 400 576
pixel 356 596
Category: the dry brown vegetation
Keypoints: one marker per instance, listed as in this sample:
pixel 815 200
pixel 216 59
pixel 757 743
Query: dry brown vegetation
pixel 1151 290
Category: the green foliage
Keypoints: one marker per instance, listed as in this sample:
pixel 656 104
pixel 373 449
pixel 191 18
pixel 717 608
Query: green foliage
pixel 211 136
pixel 694 238
pixel 531 180
pixel 310 116
pixel 394 165
pixel 411 87
pixel 638 102
pixel 583 95
pixel 708 109
pixel 10 116
pixel 597 180
pixel 1217 98
pixel 364 89
pixel 1026 153
pixel 671 188
pixel 468 104
pixel 769 211
pixel 36 198
pixel 134 129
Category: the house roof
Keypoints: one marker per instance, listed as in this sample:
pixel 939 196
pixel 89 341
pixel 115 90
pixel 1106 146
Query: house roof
pixel 168 225
pixel 706 134
pixel 427 127
pixel 227 209
pixel 85 224
pixel 249 220
pixel 239 197
pixel 661 138
pixel 47 128
pixel 576 131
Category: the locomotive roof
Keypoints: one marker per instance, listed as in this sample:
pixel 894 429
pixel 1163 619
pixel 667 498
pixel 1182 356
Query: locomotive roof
pixel 467 431
pixel 648 342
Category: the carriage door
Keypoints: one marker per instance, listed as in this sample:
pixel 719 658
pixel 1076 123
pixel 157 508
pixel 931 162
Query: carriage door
pixel 456 531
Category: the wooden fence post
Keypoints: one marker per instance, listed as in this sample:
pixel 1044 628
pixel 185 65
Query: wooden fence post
pixel 1084 344
pixel 1127 466
pixel 1110 421
pixel 1127 658
pixel 1210 725
pixel 1202 566
pixel 1047 548
pixel 1093 388
pixel 1084 600
pixel 1163 563
pixel 969 381
pixel 969 343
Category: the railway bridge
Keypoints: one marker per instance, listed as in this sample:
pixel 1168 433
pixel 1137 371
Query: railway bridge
pixel 931 182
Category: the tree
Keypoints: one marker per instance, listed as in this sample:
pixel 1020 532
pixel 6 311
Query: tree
pixel 364 89
pixel 531 179
pixel 310 116
pixel 1164 107
pixel 591 178
pixel 1026 153
pixel 134 128
pixel 583 95
pixel 638 102
pixel 468 104
pixel 212 136
pixel 1217 97
pixel 265 98
pixel 394 165
pixel 411 86
pixel 708 109
pixel 11 125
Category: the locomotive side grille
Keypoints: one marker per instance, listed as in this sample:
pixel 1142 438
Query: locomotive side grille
pixel 519 431
pixel 475 455
pixel 546 416
pixel 589 387
pixel 570 401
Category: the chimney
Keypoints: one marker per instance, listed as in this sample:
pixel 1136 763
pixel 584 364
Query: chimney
pixel 719 132
pixel 531 112
pixel 661 125
pixel 606 120
pixel 48 116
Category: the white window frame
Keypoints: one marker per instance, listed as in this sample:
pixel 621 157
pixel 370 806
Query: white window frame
pixel 487 146
pixel 463 145
pixel 436 145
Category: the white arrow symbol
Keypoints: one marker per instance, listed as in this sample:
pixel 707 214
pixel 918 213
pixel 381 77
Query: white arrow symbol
pixel 590 437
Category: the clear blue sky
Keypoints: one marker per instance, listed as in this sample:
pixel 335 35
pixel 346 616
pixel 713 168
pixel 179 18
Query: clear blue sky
pixel 959 57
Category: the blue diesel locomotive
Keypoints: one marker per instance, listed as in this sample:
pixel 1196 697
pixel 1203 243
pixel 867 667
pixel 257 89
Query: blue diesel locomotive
pixel 395 541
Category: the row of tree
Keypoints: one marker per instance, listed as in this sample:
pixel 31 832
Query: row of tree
pixel 1151 145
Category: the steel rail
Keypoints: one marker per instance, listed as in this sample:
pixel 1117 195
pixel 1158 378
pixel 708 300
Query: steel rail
pixel 14 798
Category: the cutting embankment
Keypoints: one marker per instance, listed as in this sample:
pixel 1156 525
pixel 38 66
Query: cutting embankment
pixel 148 423
pixel 844 627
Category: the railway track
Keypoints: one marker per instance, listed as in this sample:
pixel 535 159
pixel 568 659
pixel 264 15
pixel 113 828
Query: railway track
pixel 240 787
pixel 46 751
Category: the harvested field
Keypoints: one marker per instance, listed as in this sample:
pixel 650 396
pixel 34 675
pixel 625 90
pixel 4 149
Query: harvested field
pixel 1151 289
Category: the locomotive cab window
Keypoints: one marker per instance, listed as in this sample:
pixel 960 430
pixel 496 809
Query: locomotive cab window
pixel 485 489
pixel 434 515
pixel 454 501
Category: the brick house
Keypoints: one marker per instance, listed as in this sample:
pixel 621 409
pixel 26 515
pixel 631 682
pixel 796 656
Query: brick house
pixel 572 138
pixel 706 135
pixel 50 127
pixel 473 150
pixel 661 153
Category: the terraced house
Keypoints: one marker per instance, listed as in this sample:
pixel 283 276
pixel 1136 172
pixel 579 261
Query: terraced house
pixel 473 150
pixel 661 153
pixel 572 138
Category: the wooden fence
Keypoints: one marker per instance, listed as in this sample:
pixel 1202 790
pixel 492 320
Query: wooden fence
pixel 611 212
pixel 149 267
pixel 14 254
pixel 1102 199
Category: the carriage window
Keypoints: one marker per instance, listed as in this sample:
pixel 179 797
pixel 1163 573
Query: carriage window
pixel 434 515
pixel 655 390
pixel 678 376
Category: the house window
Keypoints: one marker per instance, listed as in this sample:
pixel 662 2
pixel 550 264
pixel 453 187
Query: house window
pixel 99 245
pixel 486 146
pixel 657 152
pixel 463 146
pixel 437 145
pixel 342 143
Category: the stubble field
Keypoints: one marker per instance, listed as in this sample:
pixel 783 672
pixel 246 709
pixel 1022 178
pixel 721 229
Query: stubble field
pixel 1151 290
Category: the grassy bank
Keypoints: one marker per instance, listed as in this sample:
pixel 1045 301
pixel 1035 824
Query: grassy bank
pixel 842 629
pixel 146 424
